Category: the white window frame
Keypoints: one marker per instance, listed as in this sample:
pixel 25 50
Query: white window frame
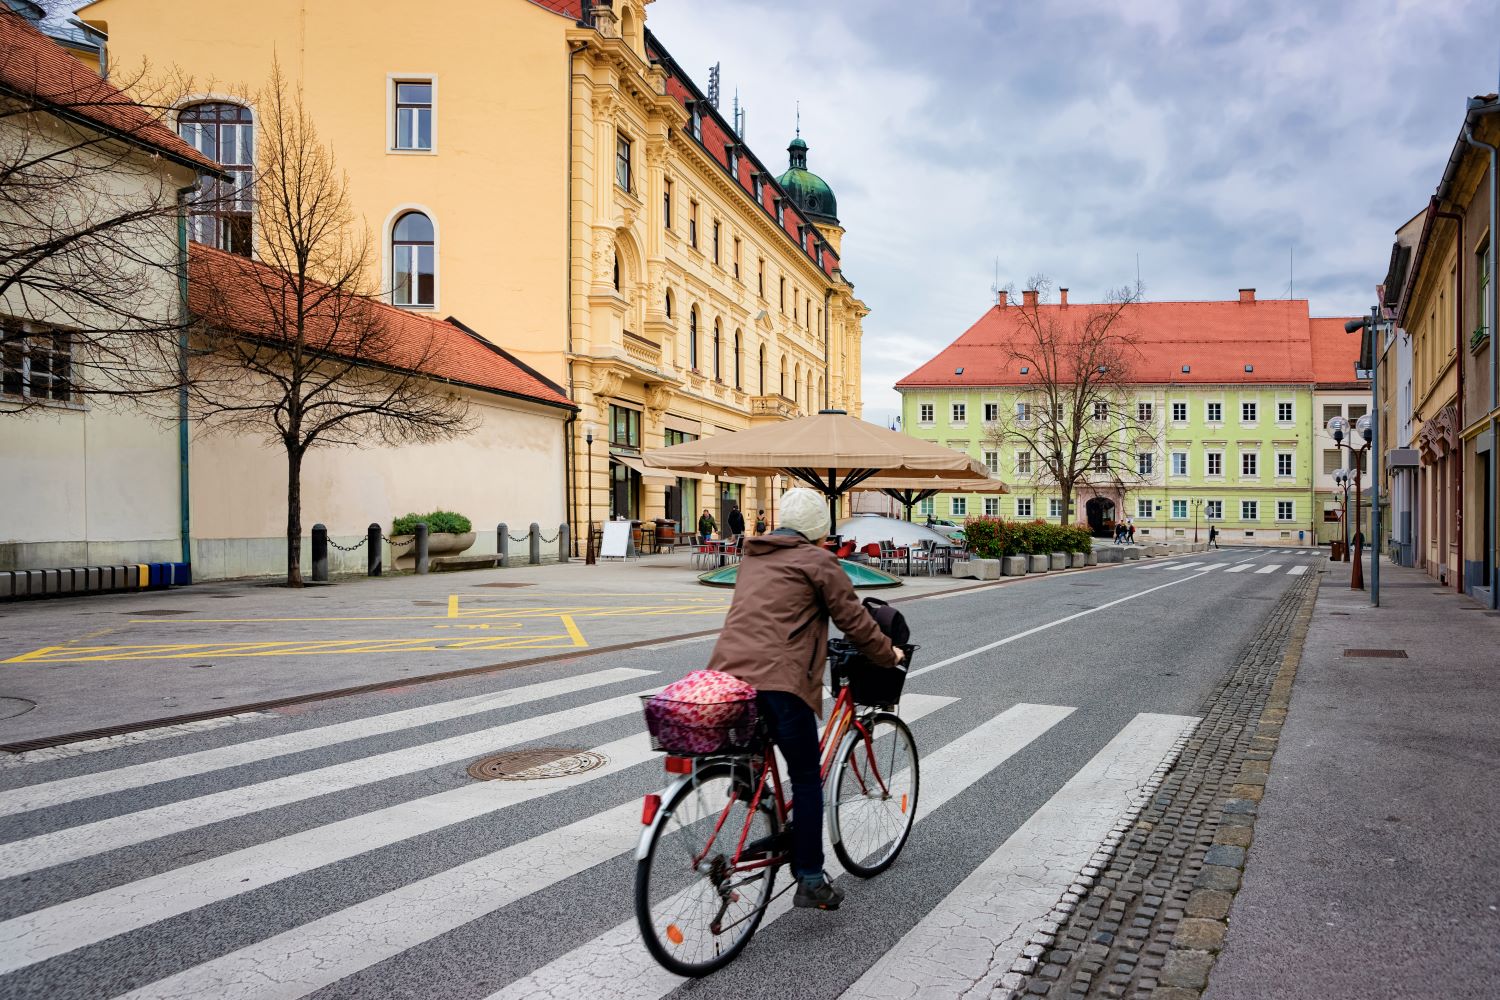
pixel 1145 509
pixel 37 339
pixel 1023 462
pixel 1290 463
pixel 1101 410
pixel 1145 463
pixel 1210 459
pixel 391 79
pixel 1145 411
pixel 1023 412
pixel 958 506
pixel 1054 507
pixel 926 414
pixel 1249 412
pixel 1179 406
pixel 992 462
pixel 1286 510
pixel 1249 465
pixel 1024 507
pixel 1179 510
pixel 1213 510
pixel 388 261
pixel 991 506
pixel 1291 408
pixel 958 414
pixel 1208 411
pixel 991 412
pixel 1179 468
pixel 927 507
pixel 1249 510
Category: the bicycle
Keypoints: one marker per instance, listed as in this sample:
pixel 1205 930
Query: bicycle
pixel 715 840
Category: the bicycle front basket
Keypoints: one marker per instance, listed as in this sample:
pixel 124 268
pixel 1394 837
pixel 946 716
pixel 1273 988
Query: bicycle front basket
pixel 868 683
pixel 689 728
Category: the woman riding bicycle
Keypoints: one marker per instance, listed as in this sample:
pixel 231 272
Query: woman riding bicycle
pixel 775 639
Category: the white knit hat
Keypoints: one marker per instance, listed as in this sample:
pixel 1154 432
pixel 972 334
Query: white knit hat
pixel 805 511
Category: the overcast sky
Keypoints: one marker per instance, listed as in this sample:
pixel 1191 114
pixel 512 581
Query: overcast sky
pixel 1066 138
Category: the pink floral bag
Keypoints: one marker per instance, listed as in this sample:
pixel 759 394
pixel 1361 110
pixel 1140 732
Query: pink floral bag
pixel 705 712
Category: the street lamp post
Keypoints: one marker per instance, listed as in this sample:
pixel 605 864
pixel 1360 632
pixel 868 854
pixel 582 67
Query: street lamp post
pixel 588 437
pixel 1341 485
pixel 1197 506
pixel 1338 426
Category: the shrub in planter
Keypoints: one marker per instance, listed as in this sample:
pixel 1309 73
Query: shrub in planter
pixel 982 535
pixel 444 521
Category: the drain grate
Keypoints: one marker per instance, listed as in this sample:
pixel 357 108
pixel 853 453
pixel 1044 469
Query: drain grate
pixel 534 763
pixel 1384 654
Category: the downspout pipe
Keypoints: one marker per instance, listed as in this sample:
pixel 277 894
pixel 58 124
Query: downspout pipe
pixel 1460 344
pixel 570 475
pixel 827 370
pixel 1489 514
pixel 184 450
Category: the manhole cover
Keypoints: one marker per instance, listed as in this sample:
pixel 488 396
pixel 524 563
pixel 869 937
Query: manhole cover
pixel 1384 654
pixel 507 585
pixel 12 707
pixel 536 762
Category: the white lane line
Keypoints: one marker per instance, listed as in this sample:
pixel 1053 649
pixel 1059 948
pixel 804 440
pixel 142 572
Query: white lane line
pixel 615 964
pixel 1268 568
pixel 51 793
pixel 1052 624
pixel 1186 565
pixel 1238 568
pixel 970 939
pixel 680 642
pixel 88 839
pixel 305 959
pixel 1297 570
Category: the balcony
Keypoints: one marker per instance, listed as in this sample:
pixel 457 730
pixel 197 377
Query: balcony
pixel 638 348
pixel 774 407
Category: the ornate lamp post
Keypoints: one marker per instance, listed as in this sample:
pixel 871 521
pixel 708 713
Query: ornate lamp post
pixel 588 438
pixel 1338 426
pixel 1197 506
pixel 1341 486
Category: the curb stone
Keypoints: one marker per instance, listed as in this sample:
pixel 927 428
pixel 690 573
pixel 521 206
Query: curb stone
pixel 1147 916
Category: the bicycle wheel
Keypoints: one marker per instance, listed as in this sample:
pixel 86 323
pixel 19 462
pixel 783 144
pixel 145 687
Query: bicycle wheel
pixel 872 799
pixel 696 913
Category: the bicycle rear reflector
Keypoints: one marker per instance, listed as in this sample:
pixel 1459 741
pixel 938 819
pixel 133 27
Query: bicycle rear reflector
pixel 649 809
pixel 679 765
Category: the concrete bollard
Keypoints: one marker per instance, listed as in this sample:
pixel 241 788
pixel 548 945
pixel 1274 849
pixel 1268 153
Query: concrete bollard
pixel 502 542
pixel 1059 560
pixel 1093 559
pixel 1077 560
pixel 320 553
pixel 562 542
pixel 421 546
pixel 534 557
pixel 1038 563
pixel 372 550
pixel 1013 566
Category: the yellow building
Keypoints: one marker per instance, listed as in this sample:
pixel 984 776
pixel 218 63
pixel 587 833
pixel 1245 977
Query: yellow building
pixel 551 178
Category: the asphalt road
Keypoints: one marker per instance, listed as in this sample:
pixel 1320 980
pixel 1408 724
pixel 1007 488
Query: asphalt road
pixel 341 849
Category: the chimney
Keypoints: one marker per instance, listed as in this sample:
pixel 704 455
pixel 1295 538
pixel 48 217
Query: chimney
pixel 1063 295
pixel 1028 298
pixel 1247 295
pixel 1000 301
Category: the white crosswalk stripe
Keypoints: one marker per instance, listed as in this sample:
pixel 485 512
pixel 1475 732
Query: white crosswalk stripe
pixel 1180 566
pixel 1298 570
pixel 1269 568
pixel 1238 568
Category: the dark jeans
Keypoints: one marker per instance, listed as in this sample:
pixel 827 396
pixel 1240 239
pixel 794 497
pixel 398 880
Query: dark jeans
pixel 795 730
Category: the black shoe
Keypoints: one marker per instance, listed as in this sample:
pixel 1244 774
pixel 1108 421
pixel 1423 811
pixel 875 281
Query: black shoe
pixel 825 896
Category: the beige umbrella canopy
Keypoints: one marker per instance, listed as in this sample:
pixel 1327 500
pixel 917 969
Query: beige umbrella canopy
pixel 832 452
pixel 909 492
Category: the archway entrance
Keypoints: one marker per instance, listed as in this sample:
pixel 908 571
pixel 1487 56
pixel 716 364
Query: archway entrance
pixel 1099 510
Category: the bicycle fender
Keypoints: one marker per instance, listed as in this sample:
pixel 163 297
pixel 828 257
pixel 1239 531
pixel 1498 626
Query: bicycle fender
pixel 643 847
pixel 834 835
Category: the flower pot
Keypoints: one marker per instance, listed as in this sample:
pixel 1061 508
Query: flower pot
pixel 439 543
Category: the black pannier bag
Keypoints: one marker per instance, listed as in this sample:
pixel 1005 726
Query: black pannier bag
pixel 869 683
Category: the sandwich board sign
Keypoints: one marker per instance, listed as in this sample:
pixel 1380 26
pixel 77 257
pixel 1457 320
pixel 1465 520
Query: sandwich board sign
pixel 616 543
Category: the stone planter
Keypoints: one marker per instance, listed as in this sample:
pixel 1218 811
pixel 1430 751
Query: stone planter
pixel 986 569
pixel 1013 566
pixel 439 543
pixel 1132 552
pixel 1077 560
pixel 1059 560
pixel 1092 560
pixel 1037 564
pixel 1159 549
pixel 1107 553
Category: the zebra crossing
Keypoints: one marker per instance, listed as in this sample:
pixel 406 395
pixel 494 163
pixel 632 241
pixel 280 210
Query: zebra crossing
pixel 1252 564
pixel 210 839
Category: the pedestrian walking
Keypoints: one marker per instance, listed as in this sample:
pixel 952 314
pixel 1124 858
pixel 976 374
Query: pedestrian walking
pixel 1213 536
pixel 706 526
pixel 1130 530
pixel 735 522
pixel 761 524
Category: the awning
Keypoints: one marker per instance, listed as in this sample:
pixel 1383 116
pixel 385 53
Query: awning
pixel 660 476
pixel 741 480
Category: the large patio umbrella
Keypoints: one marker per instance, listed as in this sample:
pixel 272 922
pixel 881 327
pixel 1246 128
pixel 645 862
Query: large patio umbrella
pixel 909 492
pixel 831 452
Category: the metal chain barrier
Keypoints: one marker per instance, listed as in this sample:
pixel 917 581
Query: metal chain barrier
pixel 552 540
pixel 349 548
pixel 520 538
pixel 401 545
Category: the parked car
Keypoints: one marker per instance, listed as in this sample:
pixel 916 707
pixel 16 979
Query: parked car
pixel 944 526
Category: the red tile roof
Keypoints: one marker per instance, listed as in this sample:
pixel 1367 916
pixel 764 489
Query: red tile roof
pixel 1215 340
pixel 35 68
pixel 231 288
pixel 568 8
pixel 1334 353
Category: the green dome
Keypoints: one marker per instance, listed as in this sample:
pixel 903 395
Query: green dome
pixel 808 191
pixel 862 576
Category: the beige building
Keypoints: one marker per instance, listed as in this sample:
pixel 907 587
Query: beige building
pixel 552 178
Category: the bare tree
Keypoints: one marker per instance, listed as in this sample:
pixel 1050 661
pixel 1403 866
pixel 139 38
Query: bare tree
pixel 1073 415
pixel 89 202
pixel 294 348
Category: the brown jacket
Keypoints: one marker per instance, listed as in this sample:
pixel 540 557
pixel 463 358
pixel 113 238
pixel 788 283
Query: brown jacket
pixel 776 635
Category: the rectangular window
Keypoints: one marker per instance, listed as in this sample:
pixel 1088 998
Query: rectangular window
pixel 1179 463
pixel 1144 412
pixel 1249 510
pixel 925 413
pixel 1247 413
pixel 1145 464
pixel 1145 509
pixel 1213 510
pixel 1331 410
pixel 1286 510
pixel 1284 464
pixel 1356 410
pixel 36 363
pixel 1101 411
pixel 1249 463
pixel 693 224
pixel 1179 509
pixel 780 212
pixel 1023 412
pixel 736 258
pixel 1213 463
pixel 1023 507
pixel 927 508
pixel 1057 412
pixel 758 186
pixel 992 462
pixel 414 114
pixel 958 506
pixel 732 158
pixel 1214 413
pixel 1179 413
pixel 1284 413
pixel 783 296
pixel 666 205
pixel 1333 460
pixel 1023 463
pixel 991 506
pixel 991 412
pixel 1054 507
pixel 695 123
pixel 678 437
pixel 624 427
pixel 1100 462
pixel 760 277
pixel 960 413
pixel 622 161
pixel 717 229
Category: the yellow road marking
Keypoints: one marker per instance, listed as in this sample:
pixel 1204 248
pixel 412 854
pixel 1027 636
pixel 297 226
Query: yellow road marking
pixel 322 647
pixel 597 611
pixel 572 628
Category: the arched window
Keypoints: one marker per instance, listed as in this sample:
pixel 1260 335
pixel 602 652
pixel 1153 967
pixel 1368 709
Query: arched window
pixel 738 383
pixel 760 376
pixel 781 386
pixel 718 368
pixel 797 384
pixel 221 209
pixel 819 397
pixel 669 303
pixel 693 338
pixel 413 261
pixel 617 272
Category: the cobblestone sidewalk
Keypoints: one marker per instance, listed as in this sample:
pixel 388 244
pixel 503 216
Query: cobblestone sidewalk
pixel 1147 917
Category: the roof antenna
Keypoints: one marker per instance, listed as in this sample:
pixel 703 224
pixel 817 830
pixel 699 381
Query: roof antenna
pixel 713 85
pixel 995 286
pixel 1137 273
